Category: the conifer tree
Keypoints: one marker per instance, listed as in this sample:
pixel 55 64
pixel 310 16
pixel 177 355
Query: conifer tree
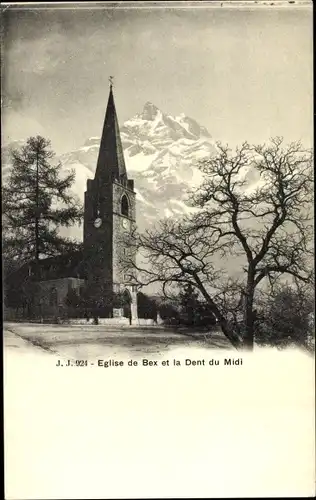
pixel 37 202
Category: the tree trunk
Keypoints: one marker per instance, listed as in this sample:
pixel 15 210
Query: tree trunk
pixel 248 339
pixel 229 333
pixel 37 213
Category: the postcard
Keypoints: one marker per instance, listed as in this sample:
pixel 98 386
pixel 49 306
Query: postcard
pixel 158 258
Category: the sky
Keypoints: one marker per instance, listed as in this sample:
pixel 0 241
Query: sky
pixel 244 73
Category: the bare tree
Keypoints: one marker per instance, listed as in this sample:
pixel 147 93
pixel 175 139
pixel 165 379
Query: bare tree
pixel 253 206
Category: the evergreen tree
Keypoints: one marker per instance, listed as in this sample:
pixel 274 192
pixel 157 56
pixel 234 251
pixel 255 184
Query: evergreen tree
pixel 37 202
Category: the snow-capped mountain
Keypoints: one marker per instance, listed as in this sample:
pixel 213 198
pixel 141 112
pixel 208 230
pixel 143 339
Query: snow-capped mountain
pixel 161 152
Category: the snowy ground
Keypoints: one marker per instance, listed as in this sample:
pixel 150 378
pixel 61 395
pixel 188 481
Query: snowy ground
pixel 92 341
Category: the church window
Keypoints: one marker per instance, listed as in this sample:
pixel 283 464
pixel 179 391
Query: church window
pixel 124 205
pixel 53 296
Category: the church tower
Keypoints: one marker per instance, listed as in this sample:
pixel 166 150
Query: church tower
pixel 109 215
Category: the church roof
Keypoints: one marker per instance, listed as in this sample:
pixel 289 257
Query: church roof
pixel 68 265
pixel 111 162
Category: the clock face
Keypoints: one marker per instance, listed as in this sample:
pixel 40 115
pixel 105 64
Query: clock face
pixel 97 222
pixel 125 223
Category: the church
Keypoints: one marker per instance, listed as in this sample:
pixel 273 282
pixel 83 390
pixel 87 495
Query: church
pixel 109 215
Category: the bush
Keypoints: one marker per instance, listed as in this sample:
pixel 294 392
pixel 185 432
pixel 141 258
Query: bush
pixel 168 312
pixel 146 307
pixel 287 320
pixel 194 312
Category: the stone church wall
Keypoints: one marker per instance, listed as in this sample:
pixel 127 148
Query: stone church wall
pixel 49 302
pixel 118 231
pixel 54 292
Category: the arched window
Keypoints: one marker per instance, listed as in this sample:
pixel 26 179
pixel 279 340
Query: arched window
pixel 53 296
pixel 124 205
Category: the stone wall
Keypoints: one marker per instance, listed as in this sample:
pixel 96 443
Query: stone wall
pixel 62 285
pixel 112 322
pixel 120 249
pixel 49 301
pixel 98 240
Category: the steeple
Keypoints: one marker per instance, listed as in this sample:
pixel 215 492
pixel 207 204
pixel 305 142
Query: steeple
pixel 111 164
pixel 109 215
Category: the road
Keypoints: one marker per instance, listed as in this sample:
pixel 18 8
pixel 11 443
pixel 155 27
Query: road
pixel 95 341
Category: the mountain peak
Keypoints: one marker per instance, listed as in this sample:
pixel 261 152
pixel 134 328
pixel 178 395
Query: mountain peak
pixel 150 111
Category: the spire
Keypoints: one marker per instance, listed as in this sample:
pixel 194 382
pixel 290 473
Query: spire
pixel 111 162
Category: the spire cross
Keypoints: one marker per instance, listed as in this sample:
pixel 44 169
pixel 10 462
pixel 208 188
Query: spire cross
pixel 111 80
